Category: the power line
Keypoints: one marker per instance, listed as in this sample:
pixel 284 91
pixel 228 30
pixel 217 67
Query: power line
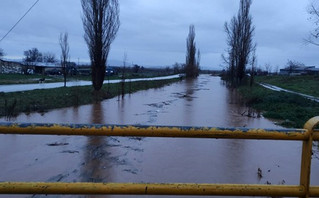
pixel 19 20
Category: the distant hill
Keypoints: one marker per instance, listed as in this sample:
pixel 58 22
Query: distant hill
pixel 117 63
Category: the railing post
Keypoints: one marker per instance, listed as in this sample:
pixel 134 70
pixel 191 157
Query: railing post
pixel 306 155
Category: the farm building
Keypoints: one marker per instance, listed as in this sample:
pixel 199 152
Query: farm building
pixel 299 70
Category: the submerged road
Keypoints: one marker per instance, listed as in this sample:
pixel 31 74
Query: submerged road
pixel 28 87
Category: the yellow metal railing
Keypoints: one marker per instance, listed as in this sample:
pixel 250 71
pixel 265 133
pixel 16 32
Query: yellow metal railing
pixel 307 135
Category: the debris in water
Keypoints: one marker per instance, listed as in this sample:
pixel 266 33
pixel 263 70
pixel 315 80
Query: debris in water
pixel 134 149
pixel 58 177
pixel 134 172
pixel 136 138
pixel 58 144
pixel 259 173
pixel 268 183
pixel 69 151
pixel 114 139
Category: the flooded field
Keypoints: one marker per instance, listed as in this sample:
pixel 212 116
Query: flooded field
pixel 202 102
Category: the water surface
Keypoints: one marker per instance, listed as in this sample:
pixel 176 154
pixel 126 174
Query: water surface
pixel 202 102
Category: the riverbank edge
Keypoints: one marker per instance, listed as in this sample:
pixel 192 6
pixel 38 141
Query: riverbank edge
pixel 289 110
pixel 42 100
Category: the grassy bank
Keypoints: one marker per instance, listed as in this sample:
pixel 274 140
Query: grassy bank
pixel 42 100
pixel 289 109
pixel 303 84
pixel 7 79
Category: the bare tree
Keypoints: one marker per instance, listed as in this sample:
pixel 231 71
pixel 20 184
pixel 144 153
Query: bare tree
pixel 239 32
pixel 313 10
pixel 31 57
pixel 101 22
pixel 291 65
pixel 253 68
pixel 177 68
pixel 167 70
pixel 49 57
pixel 276 69
pixel 268 68
pixel 191 68
pixel 136 68
pixel 64 44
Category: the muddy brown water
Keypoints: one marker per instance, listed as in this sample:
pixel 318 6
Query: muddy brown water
pixel 202 102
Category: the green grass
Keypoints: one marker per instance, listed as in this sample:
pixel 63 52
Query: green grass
pixel 289 109
pixel 24 79
pixel 43 100
pixel 303 84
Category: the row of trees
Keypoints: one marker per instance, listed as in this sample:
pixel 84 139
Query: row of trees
pixel 241 50
pixel 33 55
pixel 101 23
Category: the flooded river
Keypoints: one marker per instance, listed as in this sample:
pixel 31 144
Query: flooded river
pixel 202 102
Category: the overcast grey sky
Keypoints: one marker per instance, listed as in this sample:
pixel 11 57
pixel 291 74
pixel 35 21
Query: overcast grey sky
pixel 153 32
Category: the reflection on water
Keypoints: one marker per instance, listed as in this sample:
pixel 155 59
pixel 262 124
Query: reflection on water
pixel 188 100
pixel 201 102
pixel 121 110
pixel 234 153
pixel 94 151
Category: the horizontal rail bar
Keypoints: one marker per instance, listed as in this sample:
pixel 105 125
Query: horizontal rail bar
pixel 314 191
pixel 153 131
pixel 153 189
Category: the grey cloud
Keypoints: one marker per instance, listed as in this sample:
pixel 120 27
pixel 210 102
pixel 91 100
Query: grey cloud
pixel 153 32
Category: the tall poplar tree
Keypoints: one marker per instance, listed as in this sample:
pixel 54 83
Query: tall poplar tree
pixel 101 22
